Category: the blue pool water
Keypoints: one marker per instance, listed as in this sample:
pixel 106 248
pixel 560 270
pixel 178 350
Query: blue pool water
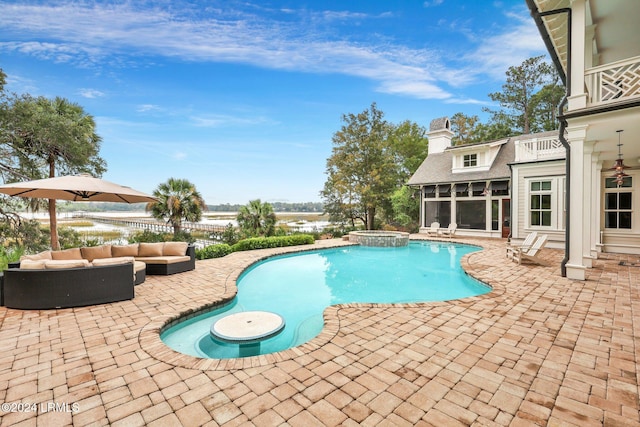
pixel 300 286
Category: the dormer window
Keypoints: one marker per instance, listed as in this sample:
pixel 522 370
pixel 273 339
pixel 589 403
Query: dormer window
pixel 470 160
pixel 476 158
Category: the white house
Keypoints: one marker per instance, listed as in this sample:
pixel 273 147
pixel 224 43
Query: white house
pixel 595 45
pixel 502 188
pixel 581 187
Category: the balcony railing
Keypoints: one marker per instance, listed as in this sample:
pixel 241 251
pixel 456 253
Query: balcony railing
pixel 614 81
pixel 539 149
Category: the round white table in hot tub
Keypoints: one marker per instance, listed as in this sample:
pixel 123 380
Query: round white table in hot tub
pixel 248 329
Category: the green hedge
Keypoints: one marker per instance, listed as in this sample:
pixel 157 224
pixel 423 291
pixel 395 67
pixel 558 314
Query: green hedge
pixel 272 242
pixel 213 251
pixel 222 249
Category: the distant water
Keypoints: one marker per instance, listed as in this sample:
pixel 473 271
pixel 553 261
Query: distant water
pixel 301 226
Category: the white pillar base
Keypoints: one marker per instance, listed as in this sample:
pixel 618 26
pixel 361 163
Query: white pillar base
pixel 587 262
pixel 576 272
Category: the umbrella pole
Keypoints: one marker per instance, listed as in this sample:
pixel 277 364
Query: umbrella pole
pixel 53 225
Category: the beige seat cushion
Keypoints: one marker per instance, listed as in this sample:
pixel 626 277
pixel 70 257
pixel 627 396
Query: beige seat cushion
pixel 66 263
pixel 113 261
pixel 163 259
pixel 91 253
pixel 150 249
pixel 174 248
pixel 39 255
pixel 116 261
pixel 73 253
pixel 33 264
pixel 124 250
pixel 139 266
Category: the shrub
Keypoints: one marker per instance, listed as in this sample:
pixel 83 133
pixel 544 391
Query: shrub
pixel 181 236
pixel 92 241
pixel 272 242
pixel 26 234
pixel 222 249
pixel 230 235
pixel 148 236
pixel 69 238
pixel 338 231
pixel 8 255
pixel 213 251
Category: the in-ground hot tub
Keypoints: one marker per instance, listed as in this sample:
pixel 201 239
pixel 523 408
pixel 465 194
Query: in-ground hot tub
pixel 385 239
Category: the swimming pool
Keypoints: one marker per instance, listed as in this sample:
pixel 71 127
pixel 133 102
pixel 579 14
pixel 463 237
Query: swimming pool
pixel 300 286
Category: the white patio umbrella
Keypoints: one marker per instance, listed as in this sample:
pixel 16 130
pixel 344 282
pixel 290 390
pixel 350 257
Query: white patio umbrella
pixel 76 188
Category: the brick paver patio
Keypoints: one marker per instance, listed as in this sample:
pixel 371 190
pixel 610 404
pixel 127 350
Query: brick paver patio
pixel 538 350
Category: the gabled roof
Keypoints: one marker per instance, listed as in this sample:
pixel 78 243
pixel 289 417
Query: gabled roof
pixel 436 168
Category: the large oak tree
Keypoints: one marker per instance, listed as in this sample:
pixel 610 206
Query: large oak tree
pixel 370 160
pixel 44 137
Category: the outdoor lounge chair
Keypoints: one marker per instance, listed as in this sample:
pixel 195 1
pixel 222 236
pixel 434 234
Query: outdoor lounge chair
pixel 450 231
pixel 526 244
pixel 434 230
pixel 531 254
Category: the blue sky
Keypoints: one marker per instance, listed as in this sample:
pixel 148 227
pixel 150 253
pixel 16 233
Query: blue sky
pixel 242 97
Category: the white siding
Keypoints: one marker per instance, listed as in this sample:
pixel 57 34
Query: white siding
pixel 523 174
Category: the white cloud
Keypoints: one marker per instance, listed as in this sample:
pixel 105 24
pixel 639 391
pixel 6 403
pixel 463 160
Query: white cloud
pixel 497 53
pixel 343 15
pixel 149 108
pixel 91 93
pixel 422 90
pixel 20 84
pixel 218 120
pixel 433 3
pixel 92 34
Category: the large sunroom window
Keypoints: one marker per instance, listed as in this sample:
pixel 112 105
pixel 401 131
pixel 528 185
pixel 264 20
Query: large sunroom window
pixel 471 214
pixel 437 211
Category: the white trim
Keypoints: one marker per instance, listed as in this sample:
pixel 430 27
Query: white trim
pixel 556 192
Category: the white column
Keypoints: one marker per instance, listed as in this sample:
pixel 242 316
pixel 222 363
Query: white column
pixel 517 205
pixel 596 200
pixel 488 214
pixel 454 206
pixel 590 57
pixel 578 97
pixel 422 208
pixel 587 205
pixel 575 265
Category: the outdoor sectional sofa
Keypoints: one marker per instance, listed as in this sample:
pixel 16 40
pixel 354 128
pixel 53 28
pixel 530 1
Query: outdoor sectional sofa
pixel 89 275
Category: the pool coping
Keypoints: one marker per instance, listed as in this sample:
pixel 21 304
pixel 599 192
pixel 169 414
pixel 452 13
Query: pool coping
pixel 150 340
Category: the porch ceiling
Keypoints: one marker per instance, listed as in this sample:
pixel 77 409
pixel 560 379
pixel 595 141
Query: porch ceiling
pixel 602 131
pixel 615 28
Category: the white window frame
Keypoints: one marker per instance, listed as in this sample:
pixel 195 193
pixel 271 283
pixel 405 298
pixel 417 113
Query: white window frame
pixel 618 191
pixel 541 192
pixel 470 160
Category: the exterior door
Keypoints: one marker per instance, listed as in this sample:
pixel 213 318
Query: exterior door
pixel 506 218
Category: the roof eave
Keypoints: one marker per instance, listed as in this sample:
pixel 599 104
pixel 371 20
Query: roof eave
pixel 546 38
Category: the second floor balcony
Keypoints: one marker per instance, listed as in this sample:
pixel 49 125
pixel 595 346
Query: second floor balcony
pixel 616 81
pixel 537 149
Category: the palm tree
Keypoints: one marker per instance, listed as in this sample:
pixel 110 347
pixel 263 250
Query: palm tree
pixel 178 200
pixel 257 219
